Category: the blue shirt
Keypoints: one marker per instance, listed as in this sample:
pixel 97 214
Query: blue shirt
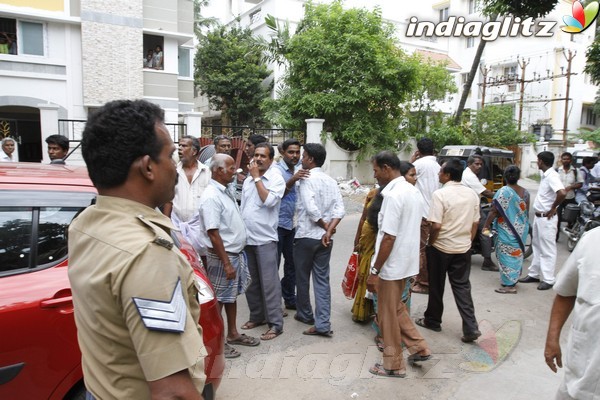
pixel 288 202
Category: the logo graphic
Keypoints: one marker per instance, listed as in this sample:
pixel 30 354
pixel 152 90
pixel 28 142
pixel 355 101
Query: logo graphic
pixel 582 18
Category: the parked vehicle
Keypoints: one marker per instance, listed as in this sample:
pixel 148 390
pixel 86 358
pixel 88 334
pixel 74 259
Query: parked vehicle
pixel 579 155
pixel 584 217
pixel 494 162
pixel 39 354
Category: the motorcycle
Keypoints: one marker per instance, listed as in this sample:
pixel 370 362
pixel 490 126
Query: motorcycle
pixel 476 246
pixel 584 217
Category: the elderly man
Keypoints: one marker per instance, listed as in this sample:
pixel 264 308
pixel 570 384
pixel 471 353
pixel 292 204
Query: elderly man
pixel 454 216
pixel 290 150
pixel 194 177
pixel 396 259
pixel 470 179
pixel 127 275
pixel 58 147
pixel 545 224
pixel 8 148
pixel 577 291
pixel 427 182
pixel 226 238
pixel 261 198
pixel 221 145
pixel 320 210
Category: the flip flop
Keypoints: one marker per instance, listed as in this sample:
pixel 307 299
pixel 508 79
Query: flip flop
pixel 244 340
pixel 230 352
pixel 313 332
pixel 378 370
pixel 270 334
pixel 252 325
pixel 413 358
pixel 379 342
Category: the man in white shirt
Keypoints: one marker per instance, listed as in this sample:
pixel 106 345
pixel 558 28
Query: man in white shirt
pixel 577 291
pixel 261 199
pixel 8 148
pixel 427 182
pixel 545 224
pixel 396 259
pixel 470 179
pixel 320 209
pixel 193 178
pixel 571 180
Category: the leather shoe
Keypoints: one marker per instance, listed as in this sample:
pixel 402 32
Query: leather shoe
pixel 421 322
pixel 528 279
pixel 488 265
pixel 470 337
pixel 304 321
pixel 290 306
pixel 544 286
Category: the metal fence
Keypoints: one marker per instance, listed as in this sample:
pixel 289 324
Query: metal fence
pixel 73 128
pixel 274 135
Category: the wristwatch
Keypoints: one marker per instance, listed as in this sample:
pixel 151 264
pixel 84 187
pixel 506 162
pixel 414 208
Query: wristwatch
pixel 374 271
pixel 256 179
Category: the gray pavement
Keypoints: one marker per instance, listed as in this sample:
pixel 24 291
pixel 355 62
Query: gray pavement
pixel 506 363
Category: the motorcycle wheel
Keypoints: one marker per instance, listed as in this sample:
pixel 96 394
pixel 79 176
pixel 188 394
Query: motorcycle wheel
pixel 528 246
pixel 572 241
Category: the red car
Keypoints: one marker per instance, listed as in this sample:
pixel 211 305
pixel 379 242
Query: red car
pixel 39 354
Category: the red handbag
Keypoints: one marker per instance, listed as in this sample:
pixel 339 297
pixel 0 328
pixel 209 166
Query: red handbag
pixel 350 281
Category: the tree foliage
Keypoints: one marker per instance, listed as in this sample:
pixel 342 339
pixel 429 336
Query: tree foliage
pixel 344 66
pixel 495 126
pixel 231 72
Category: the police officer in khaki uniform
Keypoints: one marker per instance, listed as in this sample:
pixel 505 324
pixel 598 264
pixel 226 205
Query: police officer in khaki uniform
pixel 136 304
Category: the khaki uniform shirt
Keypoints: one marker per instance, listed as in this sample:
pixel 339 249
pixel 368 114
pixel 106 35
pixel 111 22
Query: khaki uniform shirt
pixel 135 300
pixel 456 207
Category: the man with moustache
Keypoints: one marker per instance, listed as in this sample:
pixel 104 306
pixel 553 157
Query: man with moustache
pixel 126 273
pixel 290 150
pixel 225 240
pixel 261 198
pixel 395 260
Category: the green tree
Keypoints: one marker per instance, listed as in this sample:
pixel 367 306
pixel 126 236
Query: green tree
pixel 433 83
pixel 200 22
pixel 344 66
pixel 231 72
pixel 495 126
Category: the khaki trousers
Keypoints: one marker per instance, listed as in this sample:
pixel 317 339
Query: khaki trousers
pixel 396 325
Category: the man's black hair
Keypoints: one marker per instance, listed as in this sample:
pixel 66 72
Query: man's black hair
pixel 388 158
pixel 454 168
pixel 547 157
pixel 425 146
pixel 317 152
pixel 290 142
pixel 267 146
pixel 566 153
pixel 195 142
pixel 59 140
pixel 116 135
pixel 474 157
pixel 217 139
pixel 256 139
pixel 588 161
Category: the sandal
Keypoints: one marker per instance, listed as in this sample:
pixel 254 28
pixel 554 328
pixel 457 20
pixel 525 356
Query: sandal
pixel 506 290
pixel 378 370
pixel 270 334
pixel 421 322
pixel 413 358
pixel 230 352
pixel 312 331
pixel 252 325
pixel 244 340
pixel 379 342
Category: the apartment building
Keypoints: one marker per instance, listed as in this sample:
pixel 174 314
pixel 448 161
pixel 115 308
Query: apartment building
pixel 61 59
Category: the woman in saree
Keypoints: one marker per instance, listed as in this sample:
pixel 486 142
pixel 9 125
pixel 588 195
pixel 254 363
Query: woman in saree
pixel 510 215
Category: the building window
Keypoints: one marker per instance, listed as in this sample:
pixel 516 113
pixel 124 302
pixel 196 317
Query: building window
pixel 510 76
pixel 256 16
pixel 443 12
pixel 472 6
pixel 21 37
pixel 470 42
pixel 588 116
pixel 185 69
pixel 154 55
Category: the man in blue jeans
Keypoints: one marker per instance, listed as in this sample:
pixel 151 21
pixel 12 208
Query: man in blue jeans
pixel 320 210
pixel 285 229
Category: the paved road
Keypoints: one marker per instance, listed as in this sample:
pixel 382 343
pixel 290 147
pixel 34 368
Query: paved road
pixel 506 363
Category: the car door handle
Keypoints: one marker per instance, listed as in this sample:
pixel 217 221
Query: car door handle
pixel 57 302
